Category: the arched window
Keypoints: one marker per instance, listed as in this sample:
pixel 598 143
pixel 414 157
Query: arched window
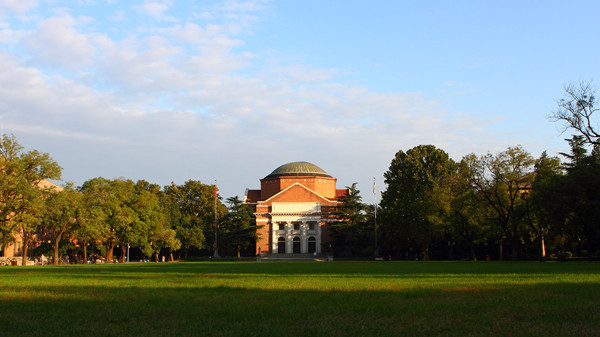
pixel 312 244
pixel 281 245
pixel 296 245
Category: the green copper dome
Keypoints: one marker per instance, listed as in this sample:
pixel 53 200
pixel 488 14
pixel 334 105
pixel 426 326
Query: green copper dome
pixel 298 168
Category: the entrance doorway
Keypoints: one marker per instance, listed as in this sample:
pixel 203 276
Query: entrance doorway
pixel 281 245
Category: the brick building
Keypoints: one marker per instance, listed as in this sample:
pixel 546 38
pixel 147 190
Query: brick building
pixel 294 205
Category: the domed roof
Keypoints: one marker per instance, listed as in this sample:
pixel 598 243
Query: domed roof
pixel 298 168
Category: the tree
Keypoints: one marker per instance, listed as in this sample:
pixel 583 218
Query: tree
pixel 576 111
pixel 412 205
pixel 238 227
pixel 196 205
pixel 113 197
pixel 153 207
pixel 500 180
pixel 539 219
pixel 349 231
pixel 21 189
pixel 61 215
pixel 467 210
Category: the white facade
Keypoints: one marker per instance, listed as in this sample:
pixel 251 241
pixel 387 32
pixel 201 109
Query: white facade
pixel 296 227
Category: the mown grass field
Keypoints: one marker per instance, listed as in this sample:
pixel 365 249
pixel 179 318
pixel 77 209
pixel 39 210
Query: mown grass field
pixel 390 298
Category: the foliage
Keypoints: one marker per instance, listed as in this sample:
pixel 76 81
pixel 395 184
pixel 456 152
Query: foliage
pixel 351 232
pixel 501 180
pixel 414 204
pixel 60 215
pixel 237 229
pixel 21 191
pixel 196 203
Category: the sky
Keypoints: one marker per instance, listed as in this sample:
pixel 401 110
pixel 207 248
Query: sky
pixel 227 91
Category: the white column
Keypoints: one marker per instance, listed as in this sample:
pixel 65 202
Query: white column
pixel 303 239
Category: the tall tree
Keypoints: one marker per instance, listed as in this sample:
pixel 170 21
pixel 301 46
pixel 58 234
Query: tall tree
pixel 153 207
pixel 21 189
pixel 238 227
pixel 196 204
pixel 350 231
pixel 547 171
pixel 61 215
pixel 412 205
pixel 467 210
pixel 501 181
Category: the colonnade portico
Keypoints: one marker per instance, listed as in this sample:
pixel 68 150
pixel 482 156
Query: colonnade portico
pixel 307 230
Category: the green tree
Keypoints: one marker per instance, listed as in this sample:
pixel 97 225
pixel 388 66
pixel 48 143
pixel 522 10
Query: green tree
pixel 238 227
pixel 500 180
pixel 467 210
pixel 61 215
pixel 413 205
pixel 541 201
pixel 196 205
pixel 350 232
pixel 153 207
pixel 21 189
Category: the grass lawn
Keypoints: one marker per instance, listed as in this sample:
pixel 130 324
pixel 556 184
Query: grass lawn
pixel 389 298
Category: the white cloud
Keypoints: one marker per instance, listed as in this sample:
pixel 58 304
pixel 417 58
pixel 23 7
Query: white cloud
pixel 18 7
pixel 58 42
pixel 155 10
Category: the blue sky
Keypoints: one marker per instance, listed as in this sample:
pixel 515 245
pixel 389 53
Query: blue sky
pixel 176 90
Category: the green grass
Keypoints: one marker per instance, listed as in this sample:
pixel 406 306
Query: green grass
pixel 302 298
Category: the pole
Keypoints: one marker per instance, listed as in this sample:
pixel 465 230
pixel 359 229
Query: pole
pixel 216 254
pixel 376 251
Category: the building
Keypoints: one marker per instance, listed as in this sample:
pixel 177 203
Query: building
pixel 293 206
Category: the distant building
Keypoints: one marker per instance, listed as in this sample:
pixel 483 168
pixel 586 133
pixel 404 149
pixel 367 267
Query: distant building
pixel 294 205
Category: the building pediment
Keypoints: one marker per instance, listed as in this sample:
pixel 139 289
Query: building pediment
pixel 297 193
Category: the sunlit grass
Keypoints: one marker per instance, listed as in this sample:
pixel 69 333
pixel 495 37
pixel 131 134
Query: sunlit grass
pixel 301 298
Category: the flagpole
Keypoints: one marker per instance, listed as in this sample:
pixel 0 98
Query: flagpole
pixel 216 254
pixel 376 252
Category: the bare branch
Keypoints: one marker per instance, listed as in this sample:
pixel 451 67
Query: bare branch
pixel 576 111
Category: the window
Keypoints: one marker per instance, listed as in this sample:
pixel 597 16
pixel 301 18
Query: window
pixel 282 226
pixel 296 226
pixel 296 245
pixel 312 225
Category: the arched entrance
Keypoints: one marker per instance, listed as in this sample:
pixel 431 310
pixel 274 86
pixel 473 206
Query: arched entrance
pixel 296 245
pixel 281 245
pixel 312 244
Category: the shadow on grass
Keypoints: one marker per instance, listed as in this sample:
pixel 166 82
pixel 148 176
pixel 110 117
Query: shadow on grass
pixel 530 310
pixel 268 299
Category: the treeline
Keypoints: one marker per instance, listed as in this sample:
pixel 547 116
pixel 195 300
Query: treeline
pixel 105 217
pixel 504 205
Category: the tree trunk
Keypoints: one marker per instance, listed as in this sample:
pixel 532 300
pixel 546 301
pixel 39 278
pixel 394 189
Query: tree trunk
pixel 472 249
pixel 155 256
pixel 55 246
pixel 238 251
pixel 25 246
pixel 515 247
pixel 123 252
pixel 543 246
pixel 109 252
pixel 426 253
pixel 84 252
pixel 171 256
